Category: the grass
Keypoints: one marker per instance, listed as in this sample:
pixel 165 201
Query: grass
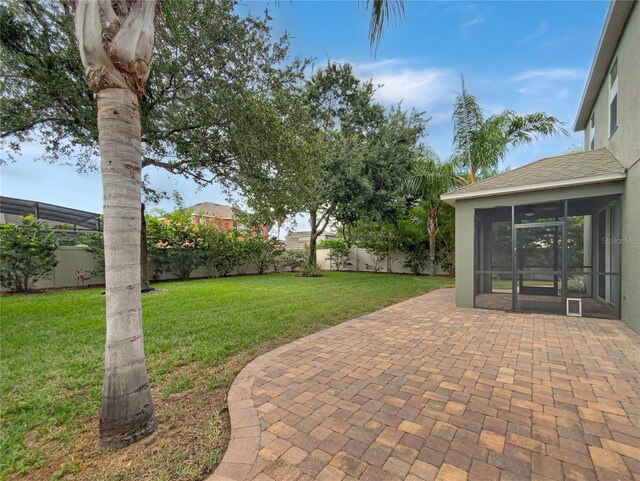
pixel 198 335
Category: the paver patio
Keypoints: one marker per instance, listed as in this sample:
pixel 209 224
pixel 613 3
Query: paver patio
pixel 423 390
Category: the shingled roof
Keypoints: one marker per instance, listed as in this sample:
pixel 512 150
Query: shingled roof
pixel 213 210
pixel 592 166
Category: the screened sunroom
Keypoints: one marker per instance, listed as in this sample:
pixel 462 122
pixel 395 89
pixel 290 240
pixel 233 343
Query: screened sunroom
pixel 543 238
pixel 552 257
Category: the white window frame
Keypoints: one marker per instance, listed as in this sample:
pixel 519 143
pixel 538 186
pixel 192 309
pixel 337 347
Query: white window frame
pixel 613 93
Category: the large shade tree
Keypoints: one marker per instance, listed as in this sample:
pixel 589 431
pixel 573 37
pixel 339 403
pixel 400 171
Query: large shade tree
pixel 218 104
pixel 358 152
pixel 481 142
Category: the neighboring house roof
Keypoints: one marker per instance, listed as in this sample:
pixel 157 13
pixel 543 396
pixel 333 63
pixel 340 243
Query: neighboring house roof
pixel 593 166
pixel 619 12
pixel 213 210
pixel 307 233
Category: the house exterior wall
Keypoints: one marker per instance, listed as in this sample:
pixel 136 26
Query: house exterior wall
pixel 624 144
pixel 465 224
pixel 630 252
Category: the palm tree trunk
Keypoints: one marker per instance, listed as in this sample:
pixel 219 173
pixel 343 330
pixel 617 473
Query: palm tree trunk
pixel 432 229
pixel 472 174
pixel 127 409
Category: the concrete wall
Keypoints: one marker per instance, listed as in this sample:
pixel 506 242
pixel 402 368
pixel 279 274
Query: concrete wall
pixel 74 258
pixel 360 258
pixel 465 212
pixel 70 260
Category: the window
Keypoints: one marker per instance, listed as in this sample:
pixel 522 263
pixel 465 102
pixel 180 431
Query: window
pixel 613 97
pixel 592 131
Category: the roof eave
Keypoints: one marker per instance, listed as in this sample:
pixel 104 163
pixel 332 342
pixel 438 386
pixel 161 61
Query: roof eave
pixel 613 27
pixel 452 197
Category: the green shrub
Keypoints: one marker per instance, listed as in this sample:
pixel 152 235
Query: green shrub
pixel 27 253
pixel 94 244
pixel 294 259
pixel 222 249
pixel 338 252
pixel 261 251
pixel 174 244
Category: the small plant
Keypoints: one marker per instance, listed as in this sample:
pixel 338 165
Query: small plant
pixel 27 253
pixel 82 277
pixel 311 271
pixel 94 245
pixel 377 258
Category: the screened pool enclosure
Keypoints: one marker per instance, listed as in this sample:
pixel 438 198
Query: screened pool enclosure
pixel 544 257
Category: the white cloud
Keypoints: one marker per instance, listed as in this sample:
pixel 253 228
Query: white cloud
pixel 550 74
pixel 539 32
pixel 473 22
pixel 430 88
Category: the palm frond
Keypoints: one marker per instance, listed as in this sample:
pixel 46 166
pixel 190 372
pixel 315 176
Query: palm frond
pixel 524 129
pixel 467 118
pixel 382 11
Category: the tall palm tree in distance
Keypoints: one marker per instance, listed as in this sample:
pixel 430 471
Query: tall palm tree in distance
pixel 480 143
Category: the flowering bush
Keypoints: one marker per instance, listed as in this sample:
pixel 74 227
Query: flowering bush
pixel 174 244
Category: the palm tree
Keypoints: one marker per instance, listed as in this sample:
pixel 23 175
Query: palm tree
pixel 116 40
pixel 481 143
pixel 429 179
pixel 381 12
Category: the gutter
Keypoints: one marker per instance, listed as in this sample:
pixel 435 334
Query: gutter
pixel 452 197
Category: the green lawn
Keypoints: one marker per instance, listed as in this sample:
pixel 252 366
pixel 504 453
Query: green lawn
pixel 52 343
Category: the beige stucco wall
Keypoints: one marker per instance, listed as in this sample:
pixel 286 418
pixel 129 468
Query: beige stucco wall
pixel 465 212
pixel 624 142
pixel 630 241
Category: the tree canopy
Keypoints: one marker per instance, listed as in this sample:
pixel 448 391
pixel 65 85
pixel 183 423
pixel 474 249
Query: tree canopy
pixel 218 104
pixel 358 152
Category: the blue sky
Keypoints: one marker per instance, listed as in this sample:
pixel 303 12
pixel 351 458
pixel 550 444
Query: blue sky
pixel 525 56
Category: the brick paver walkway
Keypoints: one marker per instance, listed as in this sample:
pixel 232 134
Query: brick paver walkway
pixel 423 390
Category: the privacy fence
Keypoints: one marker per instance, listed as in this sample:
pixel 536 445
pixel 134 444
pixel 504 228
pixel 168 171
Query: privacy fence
pixel 75 266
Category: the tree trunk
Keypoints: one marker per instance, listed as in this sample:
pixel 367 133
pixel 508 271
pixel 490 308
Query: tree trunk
pixel 432 230
pixel 127 409
pixel 472 175
pixel 144 256
pixel 313 238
